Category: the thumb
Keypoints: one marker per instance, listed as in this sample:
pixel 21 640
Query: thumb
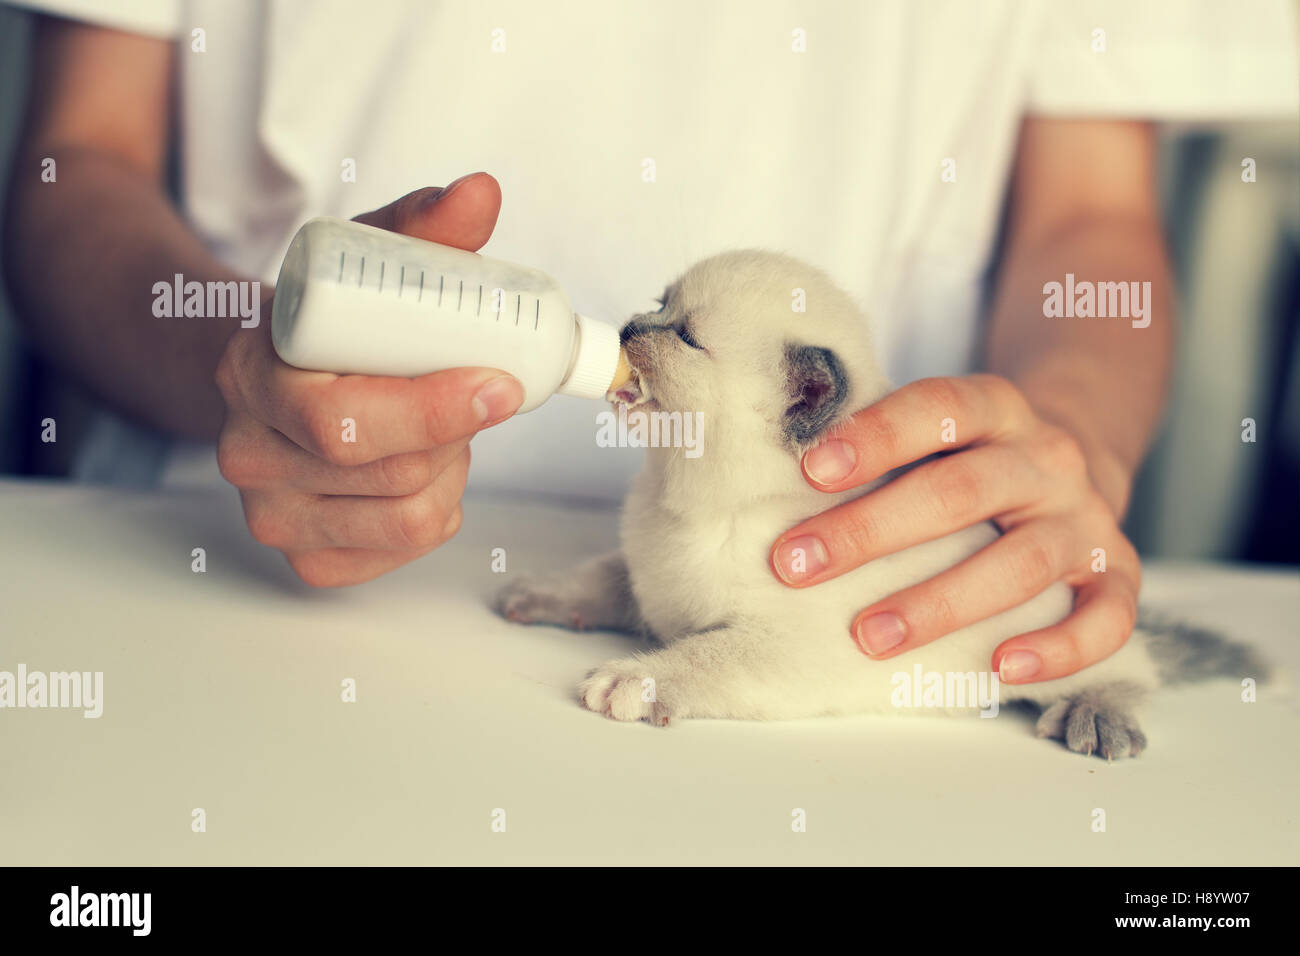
pixel 462 214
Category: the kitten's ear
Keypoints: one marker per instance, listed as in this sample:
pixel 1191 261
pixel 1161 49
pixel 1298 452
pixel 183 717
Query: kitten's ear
pixel 818 388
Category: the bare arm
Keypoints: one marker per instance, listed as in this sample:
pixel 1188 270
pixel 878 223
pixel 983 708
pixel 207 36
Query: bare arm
pixel 1083 201
pixel 83 252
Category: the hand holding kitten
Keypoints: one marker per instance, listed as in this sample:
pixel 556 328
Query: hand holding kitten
pixel 1009 466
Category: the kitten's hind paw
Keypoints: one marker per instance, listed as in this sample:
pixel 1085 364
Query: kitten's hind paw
pixel 533 601
pixel 1096 722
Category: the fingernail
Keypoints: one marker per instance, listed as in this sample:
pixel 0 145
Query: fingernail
pixel 800 558
pixel 830 462
pixel 498 399
pixel 1018 666
pixel 447 189
pixel 880 633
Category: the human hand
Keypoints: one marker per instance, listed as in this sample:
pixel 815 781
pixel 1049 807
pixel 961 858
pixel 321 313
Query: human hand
pixel 1028 476
pixel 345 511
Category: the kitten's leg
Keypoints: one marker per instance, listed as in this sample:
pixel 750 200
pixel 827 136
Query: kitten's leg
pixel 727 671
pixel 596 594
pixel 1097 720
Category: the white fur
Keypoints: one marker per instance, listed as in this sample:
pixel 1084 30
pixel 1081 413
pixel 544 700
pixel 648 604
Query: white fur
pixel 696 533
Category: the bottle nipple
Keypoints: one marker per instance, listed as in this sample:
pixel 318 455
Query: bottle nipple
pixel 622 373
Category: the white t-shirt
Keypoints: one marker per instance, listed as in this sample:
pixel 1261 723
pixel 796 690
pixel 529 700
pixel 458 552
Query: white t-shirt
pixel 631 139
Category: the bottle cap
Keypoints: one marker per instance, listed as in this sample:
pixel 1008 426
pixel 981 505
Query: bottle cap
pixel 595 361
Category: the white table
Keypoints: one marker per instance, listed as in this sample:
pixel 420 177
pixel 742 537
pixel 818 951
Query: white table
pixel 222 692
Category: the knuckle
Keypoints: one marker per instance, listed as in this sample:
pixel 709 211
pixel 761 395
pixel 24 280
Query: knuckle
pixel 229 375
pixel 417 523
pixel 1129 559
pixel 1122 614
pixel 940 611
pixel 325 432
pixel 1062 453
pixel 1093 526
pixel 437 425
pixel 1032 562
pixel 458 472
pixel 237 460
pixel 263 524
pixel 1001 390
pixel 956 489
pixel 225 377
pixel 453 524
pixel 407 474
pixel 878 435
pixel 406 210
pixel 1096 512
pixel 316 570
pixel 942 394
pixel 858 532
pixel 1072 644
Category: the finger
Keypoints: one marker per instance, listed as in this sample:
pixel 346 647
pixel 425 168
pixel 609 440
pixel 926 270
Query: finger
pixel 354 419
pixel 251 455
pixel 294 522
pixel 393 477
pixel 461 214
pixel 341 567
pixel 1011 570
pixel 928 416
pixel 928 502
pixel 1105 611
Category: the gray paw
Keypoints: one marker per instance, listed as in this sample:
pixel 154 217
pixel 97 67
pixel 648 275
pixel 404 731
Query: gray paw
pixel 1094 722
pixel 533 601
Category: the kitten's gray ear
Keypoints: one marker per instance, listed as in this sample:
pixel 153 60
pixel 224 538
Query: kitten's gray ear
pixel 817 386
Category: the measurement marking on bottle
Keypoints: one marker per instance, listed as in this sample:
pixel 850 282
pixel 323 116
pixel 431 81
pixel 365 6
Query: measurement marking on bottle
pixel 401 281
pixel 381 276
pixel 420 297
pixel 460 294
pixel 440 278
pixel 362 277
pixel 479 310
pixel 519 298
pixel 537 314
pixel 342 255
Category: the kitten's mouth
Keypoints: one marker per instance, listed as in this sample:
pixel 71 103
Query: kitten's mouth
pixel 635 391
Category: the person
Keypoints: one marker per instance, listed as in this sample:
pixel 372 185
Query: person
pixel 881 141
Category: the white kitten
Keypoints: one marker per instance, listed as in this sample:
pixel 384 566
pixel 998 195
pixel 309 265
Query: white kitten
pixel 697 532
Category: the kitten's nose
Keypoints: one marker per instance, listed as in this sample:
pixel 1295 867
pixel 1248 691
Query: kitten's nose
pixel 637 343
pixel 635 327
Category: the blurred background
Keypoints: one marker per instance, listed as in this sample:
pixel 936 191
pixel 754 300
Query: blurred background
pixel 1236 249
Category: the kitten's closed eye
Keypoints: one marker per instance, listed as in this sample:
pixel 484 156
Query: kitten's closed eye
pixel 684 334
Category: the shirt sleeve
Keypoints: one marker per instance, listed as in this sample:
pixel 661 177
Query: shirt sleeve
pixel 1175 60
pixel 158 18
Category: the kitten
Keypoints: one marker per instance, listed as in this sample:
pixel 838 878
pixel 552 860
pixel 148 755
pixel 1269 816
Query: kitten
pixel 696 534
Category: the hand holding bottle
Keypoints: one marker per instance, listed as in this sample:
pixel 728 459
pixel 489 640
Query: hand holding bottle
pixel 351 476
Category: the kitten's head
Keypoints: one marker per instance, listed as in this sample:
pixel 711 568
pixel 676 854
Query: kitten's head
pixel 766 346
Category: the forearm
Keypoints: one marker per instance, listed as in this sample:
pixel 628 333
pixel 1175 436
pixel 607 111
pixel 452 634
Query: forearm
pixel 82 257
pixel 1102 379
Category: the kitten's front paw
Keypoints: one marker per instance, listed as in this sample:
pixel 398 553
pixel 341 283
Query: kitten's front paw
pixel 622 690
pixel 1089 725
pixel 536 601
